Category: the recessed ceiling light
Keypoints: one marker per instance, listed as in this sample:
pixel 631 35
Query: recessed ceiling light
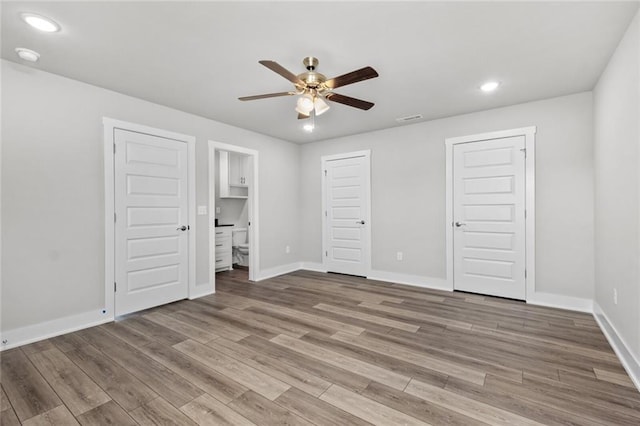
pixel 308 128
pixel 489 86
pixel 40 22
pixel 27 54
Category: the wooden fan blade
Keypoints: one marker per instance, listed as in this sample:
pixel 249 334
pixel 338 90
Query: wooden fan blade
pixel 352 77
pixel 348 100
pixel 268 95
pixel 279 69
pixel 302 116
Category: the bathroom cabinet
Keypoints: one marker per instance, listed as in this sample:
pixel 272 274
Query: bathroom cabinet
pixel 233 175
pixel 238 169
pixel 223 258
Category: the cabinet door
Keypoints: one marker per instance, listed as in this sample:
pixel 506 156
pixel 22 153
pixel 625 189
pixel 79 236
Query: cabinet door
pixel 237 169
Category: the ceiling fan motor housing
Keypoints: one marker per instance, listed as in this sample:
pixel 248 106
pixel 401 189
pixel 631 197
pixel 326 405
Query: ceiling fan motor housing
pixel 312 79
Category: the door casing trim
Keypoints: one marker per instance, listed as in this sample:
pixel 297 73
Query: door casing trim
pixel 530 199
pixel 109 126
pixel 323 163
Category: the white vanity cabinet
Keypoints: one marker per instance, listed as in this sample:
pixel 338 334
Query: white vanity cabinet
pixel 234 182
pixel 223 258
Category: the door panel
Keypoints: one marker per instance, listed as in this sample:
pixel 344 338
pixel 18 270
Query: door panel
pixel 346 213
pixel 489 217
pixel 346 234
pixel 151 254
pixel 148 185
pixel 488 240
pixel 346 186
pixel 151 247
pixel 152 277
pixel 489 185
pixel 152 216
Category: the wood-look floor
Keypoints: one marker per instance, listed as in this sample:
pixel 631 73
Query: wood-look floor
pixel 309 348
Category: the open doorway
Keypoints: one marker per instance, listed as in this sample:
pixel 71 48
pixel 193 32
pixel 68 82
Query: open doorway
pixel 233 210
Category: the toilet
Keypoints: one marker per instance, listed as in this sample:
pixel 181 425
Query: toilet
pixel 240 246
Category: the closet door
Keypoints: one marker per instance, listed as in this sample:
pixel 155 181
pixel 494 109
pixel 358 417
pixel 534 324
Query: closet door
pixel 347 234
pixel 151 229
pixel 489 217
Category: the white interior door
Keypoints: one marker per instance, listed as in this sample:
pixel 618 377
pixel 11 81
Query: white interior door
pixel 151 228
pixel 346 209
pixel 489 217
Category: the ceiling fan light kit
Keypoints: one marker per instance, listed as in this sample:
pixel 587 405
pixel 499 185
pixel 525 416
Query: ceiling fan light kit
pixel 305 104
pixel 320 106
pixel 314 88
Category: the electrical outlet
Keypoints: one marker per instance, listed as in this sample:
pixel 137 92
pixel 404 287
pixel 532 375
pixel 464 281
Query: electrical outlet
pixel 615 296
pixel 399 255
pixel 202 210
pixel 217 209
pixel 287 249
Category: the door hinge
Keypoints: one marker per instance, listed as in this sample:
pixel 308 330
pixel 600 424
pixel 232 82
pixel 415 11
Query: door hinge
pixel 114 147
pixel 325 172
pixel 114 218
pixel 525 273
pixel 525 214
pixel 326 253
pixel 115 287
pixel 524 150
pixel 325 213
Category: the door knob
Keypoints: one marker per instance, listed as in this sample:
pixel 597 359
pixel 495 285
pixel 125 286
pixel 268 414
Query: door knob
pixel 459 224
pixel 182 228
pixel 361 222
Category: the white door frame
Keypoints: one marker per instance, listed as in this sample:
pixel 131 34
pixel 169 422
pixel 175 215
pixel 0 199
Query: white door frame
pixel 110 125
pixel 530 199
pixel 253 197
pixel 367 229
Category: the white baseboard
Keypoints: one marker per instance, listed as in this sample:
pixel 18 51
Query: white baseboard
pixel 44 330
pixel 201 290
pixel 393 277
pixel 33 333
pixel 413 280
pixel 312 266
pixel 629 361
pixel 265 274
pixel 562 302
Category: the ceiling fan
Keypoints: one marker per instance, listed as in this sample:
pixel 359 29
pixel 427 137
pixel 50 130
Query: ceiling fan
pixel 314 87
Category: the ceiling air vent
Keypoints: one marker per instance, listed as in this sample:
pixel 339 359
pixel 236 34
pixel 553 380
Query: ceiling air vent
pixel 409 118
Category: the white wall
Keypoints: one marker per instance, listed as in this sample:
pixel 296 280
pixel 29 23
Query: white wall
pixel 53 196
pixel 617 197
pixel 408 191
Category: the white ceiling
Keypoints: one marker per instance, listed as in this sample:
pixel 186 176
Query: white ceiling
pixel 200 57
